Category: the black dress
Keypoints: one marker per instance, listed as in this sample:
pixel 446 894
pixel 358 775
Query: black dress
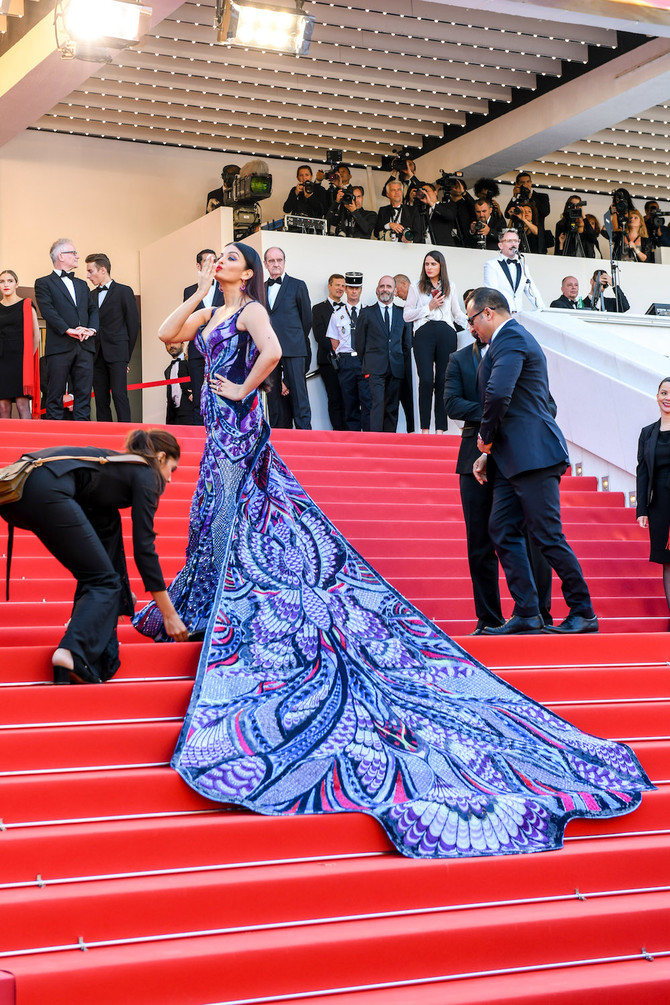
pixel 659 507
pixel 11 351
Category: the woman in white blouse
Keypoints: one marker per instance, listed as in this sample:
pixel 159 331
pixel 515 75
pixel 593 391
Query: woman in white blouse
pixel 433 305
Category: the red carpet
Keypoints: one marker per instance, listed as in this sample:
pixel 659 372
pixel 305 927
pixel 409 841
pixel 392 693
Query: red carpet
pixel 118 884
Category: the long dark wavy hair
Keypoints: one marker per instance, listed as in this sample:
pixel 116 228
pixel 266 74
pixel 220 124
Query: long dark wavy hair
pixel 255 286
pixel 425 284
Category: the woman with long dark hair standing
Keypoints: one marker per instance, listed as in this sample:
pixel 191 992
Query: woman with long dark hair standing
pixel 433 305
pixel 71 502
pixel 19 357
pixel 653 484
pixel 319 688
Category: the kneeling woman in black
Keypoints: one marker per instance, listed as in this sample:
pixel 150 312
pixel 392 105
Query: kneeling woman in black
pixel 653 483
pixel 72 505
pixel 433 305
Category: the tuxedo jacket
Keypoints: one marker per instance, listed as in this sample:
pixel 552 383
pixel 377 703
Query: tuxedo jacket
pixel 514 392
pixel 519 296
pixel 565 302
pixel 646 450
pixel 184 414
pixel 119 323
pixel 60 313
pixel 321 315
pixel 462 401
pixel 379 350
pixel 291 316
pixel 409 218
pixel 194 354
pixel 450 222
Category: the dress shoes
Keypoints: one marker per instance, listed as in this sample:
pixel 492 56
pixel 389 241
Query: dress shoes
pixel 574 624
pixel 481 629
pixel 517 625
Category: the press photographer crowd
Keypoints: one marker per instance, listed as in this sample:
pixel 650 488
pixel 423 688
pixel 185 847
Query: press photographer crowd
pixel 442 212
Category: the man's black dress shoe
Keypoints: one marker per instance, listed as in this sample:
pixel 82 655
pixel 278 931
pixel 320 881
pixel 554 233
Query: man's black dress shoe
pixel 574 624
pixel 480 629
pixel 518 626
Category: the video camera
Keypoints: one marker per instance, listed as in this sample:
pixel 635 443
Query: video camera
pixel 446 182
pixel 397 161
pixel 333 158
pixel 620 203
pixel 574 210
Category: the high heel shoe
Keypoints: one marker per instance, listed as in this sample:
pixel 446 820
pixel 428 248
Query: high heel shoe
pixel 61 675
pixel 81 673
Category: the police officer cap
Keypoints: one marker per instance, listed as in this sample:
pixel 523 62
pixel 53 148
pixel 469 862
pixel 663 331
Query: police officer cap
pixel 353 278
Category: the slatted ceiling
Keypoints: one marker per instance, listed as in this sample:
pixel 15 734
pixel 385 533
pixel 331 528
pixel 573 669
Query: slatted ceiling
pixel 634 153
pixel 375 77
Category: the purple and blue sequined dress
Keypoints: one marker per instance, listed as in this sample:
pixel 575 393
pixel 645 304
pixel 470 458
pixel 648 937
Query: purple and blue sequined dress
pixel 321 690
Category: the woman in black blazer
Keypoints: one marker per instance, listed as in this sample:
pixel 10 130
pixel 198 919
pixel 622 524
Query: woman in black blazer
pixel 73 506
pixel 653 484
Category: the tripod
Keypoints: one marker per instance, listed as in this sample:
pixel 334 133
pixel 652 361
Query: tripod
pixel 573 243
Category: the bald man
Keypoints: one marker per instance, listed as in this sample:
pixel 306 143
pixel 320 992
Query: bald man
pixel 382 338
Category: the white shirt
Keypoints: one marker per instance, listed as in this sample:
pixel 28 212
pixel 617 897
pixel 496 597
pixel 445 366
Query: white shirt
pixel 416 308
pixel 208 298
pixel 67 283
pixel 103 292
pixel 339 327
pixel 175 389
pixel 273 291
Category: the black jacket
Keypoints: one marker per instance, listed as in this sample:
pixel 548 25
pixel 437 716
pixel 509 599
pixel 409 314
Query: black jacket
pixel 60 313
pixel 119 323
pixel 291 317
pixel 184 414
pixel 618 306
pixel 462 401
pixel 380 352
pixel 409 218
pixel 644 475
pixel 321 315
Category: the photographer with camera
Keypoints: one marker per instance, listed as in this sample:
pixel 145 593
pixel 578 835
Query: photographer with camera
pixel 575 237
pixel 523 194
pixel 403 169
pixel 654 221
pixel 436 218
pixel 620 209
pixel 307 198
pixel 603 296
pixel 398 221
pixel 488 189
pixel 347 218
pixel 457 209
pixel 485 228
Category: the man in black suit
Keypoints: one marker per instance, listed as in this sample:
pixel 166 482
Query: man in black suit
pixel 348 218
pixel 321 314
pixel 291 317
pixel 117 335
pixel 72 321
pixel 196 361
pixel 382 337
pixel 393 220
pixel 179 396
pixel 485 229
pixel 462 401
pixel 530 454
pixel 600 282
pixel 569 298
pixel 439 224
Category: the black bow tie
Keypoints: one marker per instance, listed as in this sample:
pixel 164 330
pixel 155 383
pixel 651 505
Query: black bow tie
pixel 271 282
pixel 101 288
pixel 337 303
pixel 67 275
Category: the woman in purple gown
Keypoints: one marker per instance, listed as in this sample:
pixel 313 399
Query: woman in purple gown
pixel 320 689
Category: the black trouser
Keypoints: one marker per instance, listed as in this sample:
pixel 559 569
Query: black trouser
pixel 533 497
pixel 294 408
pixel 355 392
pixel 50 510
pixel 111 378
pixel 334 395
pixel 77 364
pixel 477 500
pixel 433 343
pixel 384 390
pixel 196 370
pixel 407 394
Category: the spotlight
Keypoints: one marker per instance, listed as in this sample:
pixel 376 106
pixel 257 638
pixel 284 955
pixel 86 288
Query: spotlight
pixel 256 26
pixel 90 27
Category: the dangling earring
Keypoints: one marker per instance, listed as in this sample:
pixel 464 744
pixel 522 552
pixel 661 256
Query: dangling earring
pixel 243 287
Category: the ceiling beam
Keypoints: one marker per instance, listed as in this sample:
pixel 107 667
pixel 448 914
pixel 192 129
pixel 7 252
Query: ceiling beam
pixel 625 86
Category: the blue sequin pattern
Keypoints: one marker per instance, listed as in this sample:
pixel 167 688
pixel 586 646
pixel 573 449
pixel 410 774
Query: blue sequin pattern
pixel 320 689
